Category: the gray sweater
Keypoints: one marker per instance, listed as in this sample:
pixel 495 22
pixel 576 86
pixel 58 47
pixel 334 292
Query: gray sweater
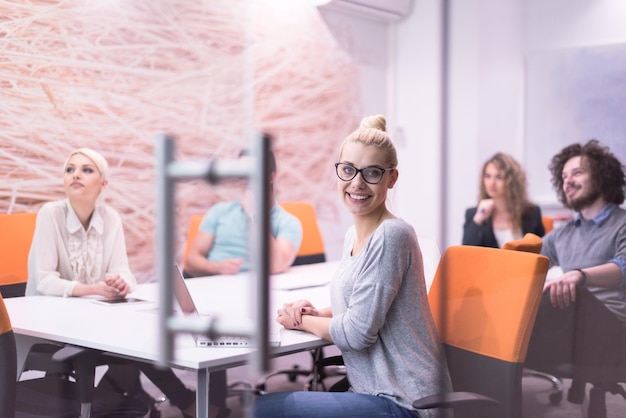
pixel 382 321
pixel 580 244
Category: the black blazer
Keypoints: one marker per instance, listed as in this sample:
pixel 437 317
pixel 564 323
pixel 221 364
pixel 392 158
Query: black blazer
pixel 483 236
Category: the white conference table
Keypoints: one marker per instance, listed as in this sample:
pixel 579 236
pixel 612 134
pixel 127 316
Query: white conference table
pixel 131 330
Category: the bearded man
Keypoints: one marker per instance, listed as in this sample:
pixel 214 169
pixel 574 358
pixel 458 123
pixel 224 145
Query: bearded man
pixel 588 298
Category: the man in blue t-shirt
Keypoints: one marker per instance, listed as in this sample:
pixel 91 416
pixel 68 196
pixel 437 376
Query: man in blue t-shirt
pixel 221 247
pixel 222 243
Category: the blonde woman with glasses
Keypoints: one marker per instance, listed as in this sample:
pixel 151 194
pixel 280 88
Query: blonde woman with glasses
pixel 379 316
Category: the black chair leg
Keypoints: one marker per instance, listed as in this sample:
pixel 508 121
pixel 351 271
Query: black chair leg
pixel 576 393
pixel 597 399
pixel 597 403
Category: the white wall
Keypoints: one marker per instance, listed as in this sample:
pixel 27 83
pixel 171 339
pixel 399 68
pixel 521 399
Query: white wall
pixel 417 105
pixel 490 40
pixel 486 96
pixel 366 41
pixel 485 106
pixel 567 23
pixel 402 81
pixel 489 43
pixel 554 25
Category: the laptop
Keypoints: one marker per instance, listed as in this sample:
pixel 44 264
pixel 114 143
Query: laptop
pixel 188 307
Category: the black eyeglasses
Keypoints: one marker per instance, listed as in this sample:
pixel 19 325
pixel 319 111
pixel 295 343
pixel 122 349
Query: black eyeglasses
pixel 372 174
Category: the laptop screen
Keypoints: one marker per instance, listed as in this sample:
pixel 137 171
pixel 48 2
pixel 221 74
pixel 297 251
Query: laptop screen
pixel 183 296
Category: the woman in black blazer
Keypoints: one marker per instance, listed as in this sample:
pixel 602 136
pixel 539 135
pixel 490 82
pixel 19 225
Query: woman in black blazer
pixel 504 212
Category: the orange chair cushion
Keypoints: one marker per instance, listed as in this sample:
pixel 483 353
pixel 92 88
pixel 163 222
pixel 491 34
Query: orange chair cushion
pixel 530 243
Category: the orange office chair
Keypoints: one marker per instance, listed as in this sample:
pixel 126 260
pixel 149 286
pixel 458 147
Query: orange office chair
pixel 548 223
pixel 192 232
pixel 312 246
pixel 532 243
pixel 311 251
pixel 15 240
pixel 17 235
pixel 484 301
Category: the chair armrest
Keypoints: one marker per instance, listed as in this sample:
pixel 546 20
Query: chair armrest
pixel 454 399
pixel 68 352
pixel 330 361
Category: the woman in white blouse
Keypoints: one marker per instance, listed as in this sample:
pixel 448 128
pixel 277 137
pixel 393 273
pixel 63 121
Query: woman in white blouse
pixel 79 249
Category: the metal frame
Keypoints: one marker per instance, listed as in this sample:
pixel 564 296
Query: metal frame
pixel 167 172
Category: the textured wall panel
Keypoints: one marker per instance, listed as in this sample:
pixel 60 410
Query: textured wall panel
pixel 111 74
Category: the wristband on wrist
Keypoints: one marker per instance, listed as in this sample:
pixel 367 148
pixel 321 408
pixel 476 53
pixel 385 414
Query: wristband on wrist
pixel 583 280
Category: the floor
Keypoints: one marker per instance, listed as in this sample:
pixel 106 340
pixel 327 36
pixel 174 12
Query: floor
pixel 536 393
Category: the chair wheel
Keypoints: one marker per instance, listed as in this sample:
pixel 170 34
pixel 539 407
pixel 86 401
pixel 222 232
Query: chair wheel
pixel 556 397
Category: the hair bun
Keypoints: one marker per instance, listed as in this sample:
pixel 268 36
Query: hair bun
pixel 375 122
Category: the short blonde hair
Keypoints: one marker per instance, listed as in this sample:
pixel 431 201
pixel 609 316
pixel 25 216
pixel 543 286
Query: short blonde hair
pixel 97 158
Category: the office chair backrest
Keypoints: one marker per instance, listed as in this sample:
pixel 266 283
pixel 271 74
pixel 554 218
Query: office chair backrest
pixel 16 235
pixel 312 247
pixel 8 364
pixel 530 243
pixel 192 232
pixel 484 301
pixel 548 223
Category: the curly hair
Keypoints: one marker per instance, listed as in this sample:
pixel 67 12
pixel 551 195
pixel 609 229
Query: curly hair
pixel 515 190
pixel 607 172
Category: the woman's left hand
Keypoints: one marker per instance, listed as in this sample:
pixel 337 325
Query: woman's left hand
pixel 118 283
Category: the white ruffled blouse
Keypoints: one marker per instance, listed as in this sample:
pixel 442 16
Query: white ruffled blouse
pixel 64 254
pixel 85 248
